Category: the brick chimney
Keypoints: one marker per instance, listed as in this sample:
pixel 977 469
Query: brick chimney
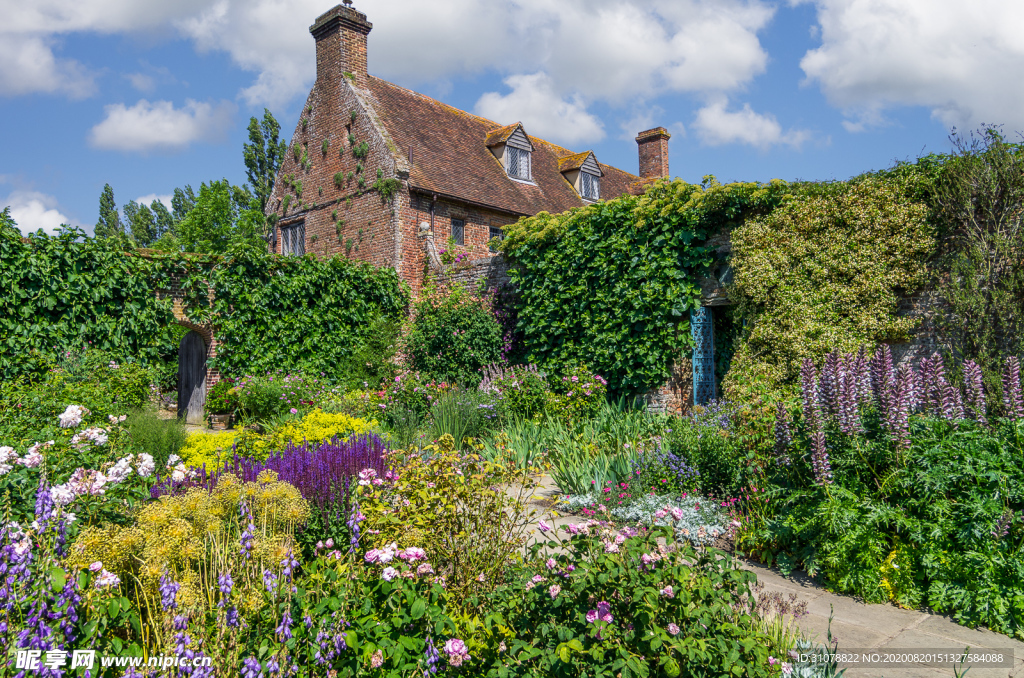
pixel 341 43
pixel 653 146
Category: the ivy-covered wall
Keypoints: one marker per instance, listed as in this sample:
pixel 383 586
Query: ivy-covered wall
pixel 611 285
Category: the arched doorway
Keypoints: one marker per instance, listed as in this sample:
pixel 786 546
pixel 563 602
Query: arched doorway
pixel 192 378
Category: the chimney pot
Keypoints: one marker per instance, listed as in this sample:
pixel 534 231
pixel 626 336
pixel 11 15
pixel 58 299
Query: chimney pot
pixel 340 35
pixel 652 145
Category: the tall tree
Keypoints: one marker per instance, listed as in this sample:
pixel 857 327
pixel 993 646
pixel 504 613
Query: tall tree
pixel 221 217
pixel 141 223
pixel 163 219
pixel 182 203
pixel 109 224
pixel 263 156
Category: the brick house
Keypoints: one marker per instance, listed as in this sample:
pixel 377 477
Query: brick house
pixel 380 173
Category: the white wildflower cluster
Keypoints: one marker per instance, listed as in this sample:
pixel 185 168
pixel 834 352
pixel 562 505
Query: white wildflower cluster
pixel 114 421
pixel 72 416
pixel 179 472
pixel 88 482
pixel 34 455
pixel 8 457
pixel 95 435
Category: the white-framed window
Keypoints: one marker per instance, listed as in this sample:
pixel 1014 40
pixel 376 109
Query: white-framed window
pixel 293 239
pixel 517 163
pixel 590 186
pixel 459 231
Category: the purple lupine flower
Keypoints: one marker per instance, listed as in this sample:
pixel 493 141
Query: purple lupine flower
pixel 809 382
pixel 975 391
pixel 168 592
pixel 44 503
pixel 828 384
pixel 288 565
pixel 952 402
pixel 783 438
pixel 898 419
pixel 882 375
pixel 353 524
pixel 862 370
pixel 226 583
pixel 1012 400
pixel 820 462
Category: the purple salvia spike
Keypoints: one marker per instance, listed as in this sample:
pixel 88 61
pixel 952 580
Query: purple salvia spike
pixel 975 391
pixel 1012 400
pixel 809 383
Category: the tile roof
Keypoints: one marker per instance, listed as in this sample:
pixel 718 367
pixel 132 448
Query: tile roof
pixel 450 155
pixel 574 161
pixel 501 135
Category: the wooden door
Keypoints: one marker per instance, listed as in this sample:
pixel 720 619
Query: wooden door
pixel 192 378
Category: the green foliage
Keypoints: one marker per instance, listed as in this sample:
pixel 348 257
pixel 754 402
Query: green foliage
pixel 708 622
pixel 290 313
pixel 324 145
pixel 163 220
pixel 339 179
pixel 708 440
pixel 386 188
pixel 109 224
pixel 148 433
pixel 222 398
pixel 223 216
pixel 182 202
pixel 611 284
pixel 462 414
pixel 577 395
pixel 936 524
pixel 60 292
pixel 825 272
pixel 977 204
pixel 454 334
pixel 360 151
pixel 141 223
pixel 263 155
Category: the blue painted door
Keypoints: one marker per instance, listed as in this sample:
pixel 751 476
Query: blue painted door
pixel 703 355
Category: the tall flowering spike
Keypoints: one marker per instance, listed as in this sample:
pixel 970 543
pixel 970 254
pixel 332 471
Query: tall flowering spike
pixel 44 503
pixel 862 370
pixel 819 458
pixel 898 422
pixel 783 437
pixel 809 392
pixel 1012 400
pixel 975 391
pixel 828 384
pixel 881 375
pixel 848 409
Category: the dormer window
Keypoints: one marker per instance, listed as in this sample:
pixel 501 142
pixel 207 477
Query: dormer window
pixel 582 171
pixel 513 149
pixel 517 163
pixel 590 186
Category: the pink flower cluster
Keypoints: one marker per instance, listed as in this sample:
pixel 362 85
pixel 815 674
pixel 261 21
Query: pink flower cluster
pixel 369 476
pixel 601 614
pixel 410 555
pixel 457 651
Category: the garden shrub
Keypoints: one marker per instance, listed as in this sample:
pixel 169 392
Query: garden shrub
pixel 611 284
pixel 892 497
pixel 209 450
pixel 708 441
pixel 265 397
pixel 455 508
pixel 175 534
pixel 222 398
pixel 520 391
pixel 577 395
pixel 454 334
pixel 824 272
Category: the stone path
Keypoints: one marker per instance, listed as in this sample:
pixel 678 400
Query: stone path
pixel 862 626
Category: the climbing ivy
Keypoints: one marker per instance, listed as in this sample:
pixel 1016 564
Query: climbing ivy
pixel 293 313
pixel 58 293
pixel 611 284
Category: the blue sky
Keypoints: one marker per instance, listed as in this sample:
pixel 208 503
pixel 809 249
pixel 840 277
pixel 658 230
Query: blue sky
pixel 148 96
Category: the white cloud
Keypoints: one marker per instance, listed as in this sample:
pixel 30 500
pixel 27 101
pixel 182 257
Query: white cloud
pixel 715 125
pixel 32 211
pixel 27 65
pixel 543 112
pixel 147 200
pixel 141 81
pixel 160 126
pixel 962 60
